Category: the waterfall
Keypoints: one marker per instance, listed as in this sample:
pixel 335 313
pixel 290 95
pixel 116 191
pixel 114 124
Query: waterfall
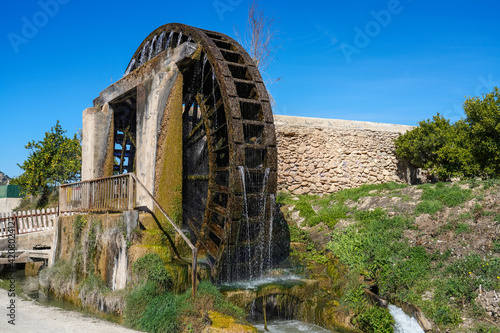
pixel 143 57
pixel 167 44
pixel 270 237
pixel 151 48
pixel 256 246
pixel 262 222
pixel 203 74
pixel 245 216
pixel 130 66
pixel 403 322
pixel 179 39
pixel 160 43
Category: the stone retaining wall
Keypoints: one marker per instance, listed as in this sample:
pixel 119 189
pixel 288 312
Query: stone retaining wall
pixel 326 155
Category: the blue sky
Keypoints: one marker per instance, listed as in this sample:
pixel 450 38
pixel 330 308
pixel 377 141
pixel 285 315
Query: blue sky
pixel 384 61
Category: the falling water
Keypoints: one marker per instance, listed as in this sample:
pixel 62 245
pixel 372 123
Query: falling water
pixel 245 216
pixel 189 39
pixel 263 242
pixel 143 58
pixel 403 322
pixel 270 238
pixel 167 44
pixel 151 48
pixel 262 211
pixel 130 66
pixel 179 39
pixel 160 43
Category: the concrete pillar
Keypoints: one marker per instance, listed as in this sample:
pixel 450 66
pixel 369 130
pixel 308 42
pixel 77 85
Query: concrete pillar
pixel 96 131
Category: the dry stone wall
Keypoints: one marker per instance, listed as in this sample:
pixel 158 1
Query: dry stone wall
pixel 320 156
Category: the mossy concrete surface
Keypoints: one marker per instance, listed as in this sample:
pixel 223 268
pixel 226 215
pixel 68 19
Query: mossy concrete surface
pixel 226 324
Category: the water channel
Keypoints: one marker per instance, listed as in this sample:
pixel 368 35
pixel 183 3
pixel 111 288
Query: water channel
pixel 404 324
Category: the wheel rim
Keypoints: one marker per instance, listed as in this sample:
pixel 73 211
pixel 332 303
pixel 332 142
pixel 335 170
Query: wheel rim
pixel 229 147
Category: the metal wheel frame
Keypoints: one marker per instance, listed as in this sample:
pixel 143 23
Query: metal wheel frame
pixel 230 108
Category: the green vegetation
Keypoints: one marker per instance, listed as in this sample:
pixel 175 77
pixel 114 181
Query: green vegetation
pixel 375 320
pixel 374 247
pixel 435 197
pixel 52 161
pixel 466 148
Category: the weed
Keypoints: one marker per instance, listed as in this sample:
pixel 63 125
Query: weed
pixel 78 224
pixel 298 235
pixel 462 228
pixel 305 209
pixel 428 207
pixel 495 246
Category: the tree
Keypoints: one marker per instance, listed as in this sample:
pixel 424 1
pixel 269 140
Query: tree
pixel 260 38
pixel 52 161
pixel 483 117
pixel 468 148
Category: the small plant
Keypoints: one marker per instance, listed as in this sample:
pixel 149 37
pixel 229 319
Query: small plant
pixel 376 320
pixel 152 268
pixel 428 207
pixel 462 228
pixel 78 224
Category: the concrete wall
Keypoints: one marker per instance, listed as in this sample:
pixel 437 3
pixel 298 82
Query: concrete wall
pixel 326 155
pixel 8 204
pixel 153 81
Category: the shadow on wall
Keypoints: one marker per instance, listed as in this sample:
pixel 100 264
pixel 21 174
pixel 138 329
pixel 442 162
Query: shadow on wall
pixel 413 175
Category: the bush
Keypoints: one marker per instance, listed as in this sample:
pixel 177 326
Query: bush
pixel 151 267
pixel 467 148
pixel 376 320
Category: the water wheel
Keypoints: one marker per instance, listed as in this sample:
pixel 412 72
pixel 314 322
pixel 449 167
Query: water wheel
pixel 229 150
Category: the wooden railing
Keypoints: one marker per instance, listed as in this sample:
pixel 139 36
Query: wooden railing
pixel 24 222
pixel 116 193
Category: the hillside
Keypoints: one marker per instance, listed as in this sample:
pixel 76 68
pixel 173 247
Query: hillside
pixel 435 246
pixel 4 179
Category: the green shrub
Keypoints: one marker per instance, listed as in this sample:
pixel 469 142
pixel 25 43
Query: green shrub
pixel 152 268
pixel 297 235
pixel 305 209
pixel 467 148
pixel 162 314
pixel 208 294
pixel 375 320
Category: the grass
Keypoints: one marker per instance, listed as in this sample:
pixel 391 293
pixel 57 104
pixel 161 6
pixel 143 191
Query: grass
pixel 373 245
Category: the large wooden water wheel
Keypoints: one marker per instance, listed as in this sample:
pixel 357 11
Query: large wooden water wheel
pixel 229 150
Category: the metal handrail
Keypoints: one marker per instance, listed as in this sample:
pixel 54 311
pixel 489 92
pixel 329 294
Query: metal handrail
pixel 194 250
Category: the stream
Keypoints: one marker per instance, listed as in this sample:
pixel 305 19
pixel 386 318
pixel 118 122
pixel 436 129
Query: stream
pixel 404 323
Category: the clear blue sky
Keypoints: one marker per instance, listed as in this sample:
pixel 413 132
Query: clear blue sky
pixel 383 61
